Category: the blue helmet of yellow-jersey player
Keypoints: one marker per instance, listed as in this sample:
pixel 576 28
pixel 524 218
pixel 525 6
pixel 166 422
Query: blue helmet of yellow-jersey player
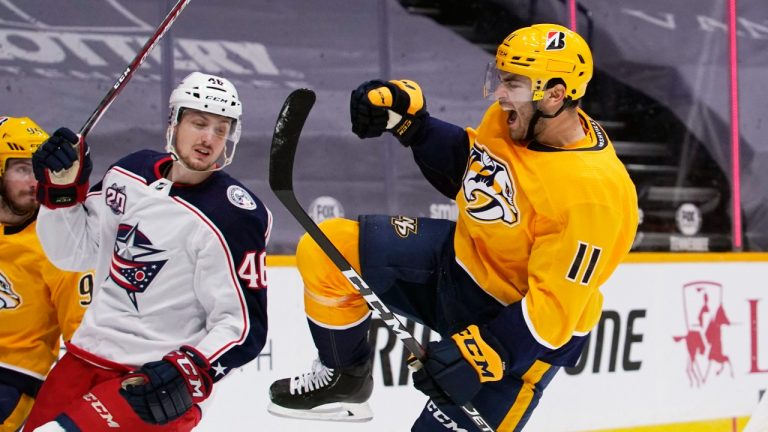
pixel 543 52
pixel 19 138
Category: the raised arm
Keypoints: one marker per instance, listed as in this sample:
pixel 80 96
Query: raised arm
pixel 440 149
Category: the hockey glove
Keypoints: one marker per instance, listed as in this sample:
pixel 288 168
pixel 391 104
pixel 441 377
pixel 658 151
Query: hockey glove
pixel 162 391
pixel 62 168
pixel 456 367
pixel 397 106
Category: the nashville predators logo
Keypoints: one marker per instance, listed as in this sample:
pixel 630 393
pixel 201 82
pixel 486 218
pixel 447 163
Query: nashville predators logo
pixel 489 189
pixel 8 298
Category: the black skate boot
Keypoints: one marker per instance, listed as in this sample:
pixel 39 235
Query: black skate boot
pixel 324 394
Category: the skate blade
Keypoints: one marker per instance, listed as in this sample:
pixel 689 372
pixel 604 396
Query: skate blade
pixel 337 411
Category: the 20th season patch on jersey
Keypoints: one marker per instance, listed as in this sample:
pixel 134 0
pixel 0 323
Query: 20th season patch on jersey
pixel 240 198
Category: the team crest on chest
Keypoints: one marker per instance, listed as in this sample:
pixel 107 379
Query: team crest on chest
pixel 135 262
pixel 8 298
pixel 241 198
pixel 115 198
pixel 489 189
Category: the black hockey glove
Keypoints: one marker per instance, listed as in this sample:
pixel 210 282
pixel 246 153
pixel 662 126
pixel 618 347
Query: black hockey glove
pixel 456 367
pixel 397 106
pixel 162 391
pixel 62 168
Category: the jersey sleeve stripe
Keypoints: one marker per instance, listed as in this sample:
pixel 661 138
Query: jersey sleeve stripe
pixel 531 329
pixel 22 370
pixel 232 275
pixel 268 232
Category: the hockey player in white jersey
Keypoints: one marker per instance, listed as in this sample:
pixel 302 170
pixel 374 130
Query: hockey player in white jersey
pixel 179 250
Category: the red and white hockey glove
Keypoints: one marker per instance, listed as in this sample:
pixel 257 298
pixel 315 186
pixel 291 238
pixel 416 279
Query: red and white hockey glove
pixel 62 166
pixel 162 391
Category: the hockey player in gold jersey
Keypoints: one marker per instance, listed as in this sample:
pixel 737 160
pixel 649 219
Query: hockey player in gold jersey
pixel 38 302
pixel 546 212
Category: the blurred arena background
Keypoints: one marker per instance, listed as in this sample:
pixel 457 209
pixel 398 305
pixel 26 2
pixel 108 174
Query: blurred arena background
pixel 686 112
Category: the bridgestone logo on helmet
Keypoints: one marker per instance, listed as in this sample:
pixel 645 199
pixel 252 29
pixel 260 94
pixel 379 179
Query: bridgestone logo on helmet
pixel 555 41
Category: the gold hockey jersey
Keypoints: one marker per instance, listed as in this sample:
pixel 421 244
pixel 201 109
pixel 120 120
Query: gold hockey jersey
pixel 38 304
pixel 543 225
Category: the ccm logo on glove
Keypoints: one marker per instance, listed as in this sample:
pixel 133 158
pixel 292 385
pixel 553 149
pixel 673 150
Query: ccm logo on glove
pixel 195 382
pixel 486 361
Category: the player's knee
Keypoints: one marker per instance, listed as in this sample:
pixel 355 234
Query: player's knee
pixel 343 233
pixel 313 263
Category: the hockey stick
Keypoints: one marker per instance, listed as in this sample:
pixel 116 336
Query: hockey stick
pixel 65 176
pixel 282 153
pixel 131 68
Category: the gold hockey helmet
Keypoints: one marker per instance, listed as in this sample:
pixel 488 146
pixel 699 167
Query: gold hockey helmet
pixel 543 52
pixel 19 138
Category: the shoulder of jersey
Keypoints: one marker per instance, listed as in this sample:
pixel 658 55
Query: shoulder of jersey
pixel 236 194
pixel 141 162
pixel 229 204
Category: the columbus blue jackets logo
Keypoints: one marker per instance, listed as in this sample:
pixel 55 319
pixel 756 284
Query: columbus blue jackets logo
pixel 133 268
pixel 8 298
pixel 240 198
pixel 489 189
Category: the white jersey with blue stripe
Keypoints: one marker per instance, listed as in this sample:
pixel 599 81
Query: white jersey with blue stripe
pixel 177 264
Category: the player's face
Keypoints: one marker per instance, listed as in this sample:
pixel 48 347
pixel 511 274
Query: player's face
pixel 515 97
pixel 19 185
pixel 201 138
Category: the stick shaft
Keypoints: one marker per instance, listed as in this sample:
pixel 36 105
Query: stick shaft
pixel 285 141
pixel 123 79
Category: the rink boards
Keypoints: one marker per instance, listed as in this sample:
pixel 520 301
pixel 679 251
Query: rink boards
pixel 682 345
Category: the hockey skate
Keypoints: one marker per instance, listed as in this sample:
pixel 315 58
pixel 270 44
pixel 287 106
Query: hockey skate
pixel 324 394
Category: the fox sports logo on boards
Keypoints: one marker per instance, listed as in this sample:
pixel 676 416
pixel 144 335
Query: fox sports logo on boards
pixel 325 207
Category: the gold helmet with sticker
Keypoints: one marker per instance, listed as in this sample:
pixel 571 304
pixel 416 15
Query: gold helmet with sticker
pixel 19 138
pixel 543 52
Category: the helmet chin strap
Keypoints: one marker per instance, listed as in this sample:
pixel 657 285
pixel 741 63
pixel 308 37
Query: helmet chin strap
pixel 538 114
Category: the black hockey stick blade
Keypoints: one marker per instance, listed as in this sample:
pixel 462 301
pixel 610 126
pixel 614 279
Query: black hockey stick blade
pixel 286 138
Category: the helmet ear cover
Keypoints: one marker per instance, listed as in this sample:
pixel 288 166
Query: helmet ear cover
pixel 19 138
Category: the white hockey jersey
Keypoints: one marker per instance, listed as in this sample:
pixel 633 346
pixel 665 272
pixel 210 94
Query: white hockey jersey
pixel 175 264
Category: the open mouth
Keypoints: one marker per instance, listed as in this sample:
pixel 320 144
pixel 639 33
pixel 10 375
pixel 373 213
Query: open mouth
pixel 511 113
pixel 203 152
pixel 511 117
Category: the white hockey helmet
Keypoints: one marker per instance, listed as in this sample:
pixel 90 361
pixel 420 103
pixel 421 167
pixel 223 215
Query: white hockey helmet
pixel 211 94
